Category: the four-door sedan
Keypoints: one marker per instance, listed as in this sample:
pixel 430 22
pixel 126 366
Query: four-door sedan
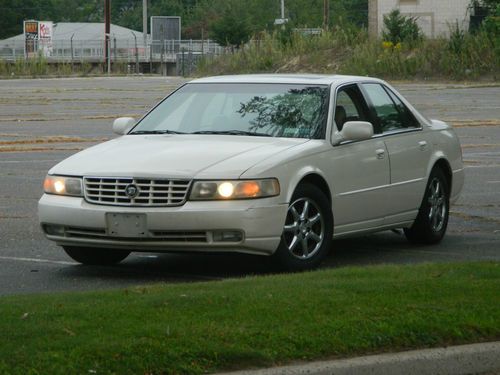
pixel 276 165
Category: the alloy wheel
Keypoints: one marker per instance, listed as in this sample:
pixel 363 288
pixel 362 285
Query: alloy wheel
pixel 437 204
pixel 304 229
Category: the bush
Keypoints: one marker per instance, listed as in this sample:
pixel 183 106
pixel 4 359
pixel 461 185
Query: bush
pixel 457 38
pixel 401 29
pixel 491 26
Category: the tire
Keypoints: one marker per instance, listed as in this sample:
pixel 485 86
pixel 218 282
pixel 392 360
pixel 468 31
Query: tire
pixel 95 256
pixel 432 219
pixel 308 230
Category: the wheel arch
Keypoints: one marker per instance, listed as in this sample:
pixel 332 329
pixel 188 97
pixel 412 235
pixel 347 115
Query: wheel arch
pixel 443 164
pixel 314 177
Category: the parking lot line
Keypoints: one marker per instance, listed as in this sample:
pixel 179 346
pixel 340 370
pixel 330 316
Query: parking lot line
pixel 38 260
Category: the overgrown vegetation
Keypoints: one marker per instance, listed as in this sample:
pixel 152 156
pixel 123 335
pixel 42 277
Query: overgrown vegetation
pixel 402 53
pixel 256 321
pixel 465 56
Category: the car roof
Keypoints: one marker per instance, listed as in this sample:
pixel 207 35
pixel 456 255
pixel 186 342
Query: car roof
pixel 308 79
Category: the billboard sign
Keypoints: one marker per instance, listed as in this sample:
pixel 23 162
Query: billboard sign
pixel 30 38
pixel 164 28
pixel 38 38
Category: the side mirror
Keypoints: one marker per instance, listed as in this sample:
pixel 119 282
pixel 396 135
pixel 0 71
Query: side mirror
pixel 122 125
pixel 357 131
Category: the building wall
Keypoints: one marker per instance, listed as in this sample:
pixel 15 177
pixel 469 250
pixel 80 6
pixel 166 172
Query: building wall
pixel 433 16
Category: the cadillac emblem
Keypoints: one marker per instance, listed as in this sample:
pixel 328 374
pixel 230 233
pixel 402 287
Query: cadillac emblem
pixel 131 190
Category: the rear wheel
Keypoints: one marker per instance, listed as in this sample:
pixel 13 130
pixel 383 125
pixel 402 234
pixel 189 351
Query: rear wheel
pixel 96 256
pixel 432 220
pixel 308 230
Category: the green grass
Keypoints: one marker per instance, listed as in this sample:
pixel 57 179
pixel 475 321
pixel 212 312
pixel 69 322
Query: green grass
pixel 255 321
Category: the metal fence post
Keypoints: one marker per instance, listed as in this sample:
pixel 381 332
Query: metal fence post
pixel 136 54
pixel 182 61
pixel 151 56
pixel 114 50
pixel 72 53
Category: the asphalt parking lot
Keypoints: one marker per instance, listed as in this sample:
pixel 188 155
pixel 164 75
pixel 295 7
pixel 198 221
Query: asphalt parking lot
pixel 44 121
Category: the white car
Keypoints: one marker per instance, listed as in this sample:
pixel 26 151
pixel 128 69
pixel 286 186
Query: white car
pixel 276 165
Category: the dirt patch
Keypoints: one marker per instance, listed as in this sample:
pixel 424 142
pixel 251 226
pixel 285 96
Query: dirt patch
pixel 484 145
pixel 468 123
pixel 39 149
pixel 57 139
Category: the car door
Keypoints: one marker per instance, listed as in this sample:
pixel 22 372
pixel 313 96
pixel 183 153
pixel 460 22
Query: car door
pixel 409 151
pixel 360 170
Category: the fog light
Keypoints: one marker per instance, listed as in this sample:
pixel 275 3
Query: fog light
pixel 227 236
pixel 54 230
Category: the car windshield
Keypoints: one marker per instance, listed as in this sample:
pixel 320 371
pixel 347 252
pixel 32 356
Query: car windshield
pixel 275 110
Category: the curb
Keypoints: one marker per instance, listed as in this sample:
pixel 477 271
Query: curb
pixel 454 360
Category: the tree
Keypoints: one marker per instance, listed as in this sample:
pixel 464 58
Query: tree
pixel 399 28
pixel 231 29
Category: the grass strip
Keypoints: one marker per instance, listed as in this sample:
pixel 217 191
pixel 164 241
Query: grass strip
pixel 255 321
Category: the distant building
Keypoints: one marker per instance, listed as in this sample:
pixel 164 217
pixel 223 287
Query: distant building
pixel 78 39
pixel 435 17
pixel 78 42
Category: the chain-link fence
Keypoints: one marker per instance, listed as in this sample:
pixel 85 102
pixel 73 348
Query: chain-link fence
pixel 120 50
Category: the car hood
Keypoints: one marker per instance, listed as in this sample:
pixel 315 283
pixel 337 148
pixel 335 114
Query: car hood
pixel 174 156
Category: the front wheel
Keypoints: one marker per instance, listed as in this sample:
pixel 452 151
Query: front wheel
pixel 308 230
pixel 432 220
pixel 96 256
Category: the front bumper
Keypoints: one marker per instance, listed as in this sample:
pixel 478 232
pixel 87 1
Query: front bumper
pixel 189 227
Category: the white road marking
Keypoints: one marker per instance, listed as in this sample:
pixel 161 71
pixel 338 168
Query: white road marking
pixel 37 260
pixel 493 182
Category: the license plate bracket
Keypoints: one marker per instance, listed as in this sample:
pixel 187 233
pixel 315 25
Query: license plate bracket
pixel 127 225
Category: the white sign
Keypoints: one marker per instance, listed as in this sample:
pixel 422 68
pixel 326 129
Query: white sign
pixel 45 34
pixel 280 21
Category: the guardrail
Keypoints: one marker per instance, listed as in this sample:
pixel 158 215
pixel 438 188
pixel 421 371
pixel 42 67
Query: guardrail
pixel 121 50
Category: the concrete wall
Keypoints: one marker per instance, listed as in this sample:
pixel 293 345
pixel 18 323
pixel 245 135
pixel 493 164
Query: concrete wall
pixel 434 16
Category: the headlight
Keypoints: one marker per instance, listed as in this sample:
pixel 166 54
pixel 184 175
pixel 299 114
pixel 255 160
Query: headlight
pixel 63 185
pixel 235 189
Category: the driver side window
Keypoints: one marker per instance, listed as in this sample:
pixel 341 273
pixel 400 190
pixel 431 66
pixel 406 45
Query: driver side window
pixel 391 113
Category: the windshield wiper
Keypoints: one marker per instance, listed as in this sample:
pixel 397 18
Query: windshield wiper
pixel 156 132
pixel 232 132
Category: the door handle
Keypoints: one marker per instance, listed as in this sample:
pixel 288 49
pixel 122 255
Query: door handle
pixel 422 145
pixel 380 153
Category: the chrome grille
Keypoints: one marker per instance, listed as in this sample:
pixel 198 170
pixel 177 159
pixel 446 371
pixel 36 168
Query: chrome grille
pixel 150 192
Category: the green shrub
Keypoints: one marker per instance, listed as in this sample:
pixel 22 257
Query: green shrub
pixel 401 29
pixel 457 38
pixel 491 26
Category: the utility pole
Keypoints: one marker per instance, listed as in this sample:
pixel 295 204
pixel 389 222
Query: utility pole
pixel 326 14
pixel 145 21
pixel 281 21
pixel 107 31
